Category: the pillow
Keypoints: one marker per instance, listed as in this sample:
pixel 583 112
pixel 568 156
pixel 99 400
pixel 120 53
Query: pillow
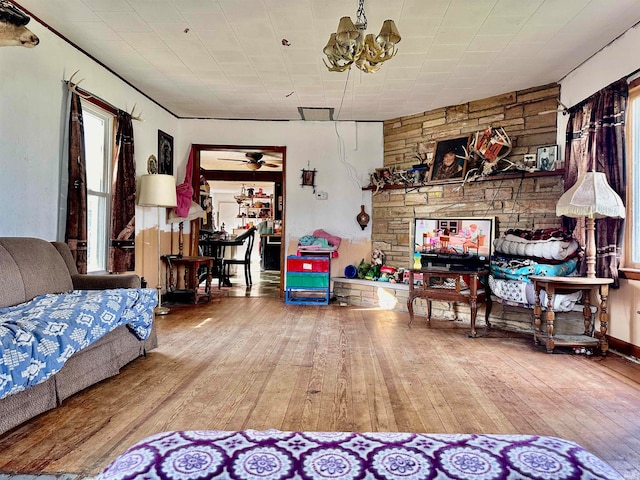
pixel 332 239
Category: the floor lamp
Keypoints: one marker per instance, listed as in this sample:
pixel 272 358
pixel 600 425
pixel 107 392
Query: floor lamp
pixel 157 190
pixel 591 197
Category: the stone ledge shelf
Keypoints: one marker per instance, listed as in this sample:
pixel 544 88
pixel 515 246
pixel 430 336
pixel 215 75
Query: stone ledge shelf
pixel 394 296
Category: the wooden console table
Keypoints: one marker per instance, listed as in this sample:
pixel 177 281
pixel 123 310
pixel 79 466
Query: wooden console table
pixel 569 285
pixel 435 287
pixel 191 265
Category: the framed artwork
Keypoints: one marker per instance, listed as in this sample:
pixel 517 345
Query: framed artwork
pixel 547 156
pixel 165 153
pixel 383 174
pixel 449 159
pixel 309 178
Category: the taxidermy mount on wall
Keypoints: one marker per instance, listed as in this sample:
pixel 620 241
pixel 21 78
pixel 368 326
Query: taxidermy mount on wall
pixel 12 28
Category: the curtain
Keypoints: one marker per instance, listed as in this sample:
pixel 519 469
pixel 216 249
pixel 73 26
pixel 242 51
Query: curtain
pixel 76 227
pixel 123 199
pixel 596 140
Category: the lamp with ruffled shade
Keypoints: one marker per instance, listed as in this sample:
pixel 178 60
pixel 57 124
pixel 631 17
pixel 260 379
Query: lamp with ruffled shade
pixel 591 197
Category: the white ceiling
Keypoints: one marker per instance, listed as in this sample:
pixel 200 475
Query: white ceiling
pixel 226 58
pixel 235 159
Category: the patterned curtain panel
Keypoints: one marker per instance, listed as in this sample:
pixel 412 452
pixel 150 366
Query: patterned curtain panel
pixel 123 200
pixel 596 140
pixel 76 229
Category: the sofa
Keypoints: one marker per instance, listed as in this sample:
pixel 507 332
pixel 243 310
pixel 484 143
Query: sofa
pixel 32 268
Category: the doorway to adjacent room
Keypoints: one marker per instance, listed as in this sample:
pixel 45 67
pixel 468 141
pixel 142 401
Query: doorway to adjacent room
pixel 243 187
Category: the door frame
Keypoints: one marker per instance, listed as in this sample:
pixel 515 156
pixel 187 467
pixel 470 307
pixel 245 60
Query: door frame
pixel 240 175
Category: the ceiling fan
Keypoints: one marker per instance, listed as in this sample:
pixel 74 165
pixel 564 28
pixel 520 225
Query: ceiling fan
pixel 253 161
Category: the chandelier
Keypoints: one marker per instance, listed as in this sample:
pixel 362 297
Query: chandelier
pixel 349 44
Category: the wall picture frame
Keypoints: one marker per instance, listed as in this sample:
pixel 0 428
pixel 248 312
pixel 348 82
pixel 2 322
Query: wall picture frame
pixel 449 159
pixel 308 178
pixel 547 157
pixel 165 153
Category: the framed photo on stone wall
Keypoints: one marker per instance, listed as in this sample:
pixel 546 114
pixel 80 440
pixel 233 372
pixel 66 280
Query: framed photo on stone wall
pixel 546 158
pixel 449 159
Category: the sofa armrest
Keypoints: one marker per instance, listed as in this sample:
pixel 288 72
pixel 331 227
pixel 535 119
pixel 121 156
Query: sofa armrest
pixel 101 282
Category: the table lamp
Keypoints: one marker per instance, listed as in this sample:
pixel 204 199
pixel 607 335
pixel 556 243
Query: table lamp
pixel 591 197
pixel 158 190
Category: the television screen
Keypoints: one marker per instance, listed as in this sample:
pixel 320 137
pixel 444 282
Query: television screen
pixel 454 241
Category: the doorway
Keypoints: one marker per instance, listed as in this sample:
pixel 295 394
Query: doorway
pixel 246 184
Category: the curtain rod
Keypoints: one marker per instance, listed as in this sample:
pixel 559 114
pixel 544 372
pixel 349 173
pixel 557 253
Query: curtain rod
pixel 73 87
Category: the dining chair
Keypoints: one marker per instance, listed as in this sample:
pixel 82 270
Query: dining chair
pixel 249 236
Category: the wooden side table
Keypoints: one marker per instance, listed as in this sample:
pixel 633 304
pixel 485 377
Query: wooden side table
pixel 191 265
pixel 569 285
pixel 435 287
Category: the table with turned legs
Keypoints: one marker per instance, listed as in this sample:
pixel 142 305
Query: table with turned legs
pixel 552 285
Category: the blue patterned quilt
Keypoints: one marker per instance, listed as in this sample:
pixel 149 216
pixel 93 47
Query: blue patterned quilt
pixel 37 337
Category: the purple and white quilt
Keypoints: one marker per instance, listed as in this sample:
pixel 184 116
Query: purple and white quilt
pixel 37 337
pixel 272 454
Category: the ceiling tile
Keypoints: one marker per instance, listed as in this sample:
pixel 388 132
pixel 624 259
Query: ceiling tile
pixel 489 43
pixel 454 35
pixel 225 58
pixel 108 5
pixel 124 21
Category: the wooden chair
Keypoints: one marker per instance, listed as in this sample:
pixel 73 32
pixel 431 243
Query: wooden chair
pixel 249 236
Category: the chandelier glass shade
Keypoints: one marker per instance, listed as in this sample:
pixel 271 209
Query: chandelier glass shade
pixel 349 44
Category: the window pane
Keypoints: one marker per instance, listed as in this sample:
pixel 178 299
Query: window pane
pixel 94 150
pixel 633 210
pixel 96 221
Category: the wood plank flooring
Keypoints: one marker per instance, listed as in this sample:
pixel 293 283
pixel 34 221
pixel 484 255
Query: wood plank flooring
pixel 240 363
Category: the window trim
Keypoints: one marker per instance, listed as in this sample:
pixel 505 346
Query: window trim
pixel 629 268
pixel 109 116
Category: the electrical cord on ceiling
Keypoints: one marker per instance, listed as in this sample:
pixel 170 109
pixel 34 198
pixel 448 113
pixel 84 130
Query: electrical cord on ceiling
pixel 342 156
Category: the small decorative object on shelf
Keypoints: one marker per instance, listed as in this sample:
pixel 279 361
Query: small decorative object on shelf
pixel 152 165
pixel 363 218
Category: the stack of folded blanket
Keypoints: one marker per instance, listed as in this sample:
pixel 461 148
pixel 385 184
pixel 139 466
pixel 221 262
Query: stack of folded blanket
pixel 319 241
pixel 518 254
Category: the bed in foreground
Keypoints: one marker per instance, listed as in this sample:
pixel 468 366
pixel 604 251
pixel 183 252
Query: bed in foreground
pixel 274 454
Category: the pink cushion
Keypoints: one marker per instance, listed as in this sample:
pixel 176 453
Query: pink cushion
pixel 332 239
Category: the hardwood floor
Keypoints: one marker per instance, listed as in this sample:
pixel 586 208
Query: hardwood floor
pixel 255 362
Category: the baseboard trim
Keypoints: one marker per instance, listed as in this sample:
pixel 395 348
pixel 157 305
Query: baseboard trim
pixel 624 348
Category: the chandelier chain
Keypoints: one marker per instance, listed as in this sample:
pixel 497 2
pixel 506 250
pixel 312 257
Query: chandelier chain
pixel 361 17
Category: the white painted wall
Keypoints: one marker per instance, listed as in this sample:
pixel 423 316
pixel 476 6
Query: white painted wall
pixel 617 60
pixel 613 62
pixel 310 145
pixel 32 124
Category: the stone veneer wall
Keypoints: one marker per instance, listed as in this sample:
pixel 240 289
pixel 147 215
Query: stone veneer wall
pixel 517 201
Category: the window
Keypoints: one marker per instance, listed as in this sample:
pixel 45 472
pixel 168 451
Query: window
pixel 632 240
pixel 98 135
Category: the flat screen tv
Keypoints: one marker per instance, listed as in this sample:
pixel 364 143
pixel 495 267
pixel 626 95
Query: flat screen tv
pixel 453 242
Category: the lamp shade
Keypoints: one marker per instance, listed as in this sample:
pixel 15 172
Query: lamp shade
pixel 157 190
pixel 592 197
pixel 389 33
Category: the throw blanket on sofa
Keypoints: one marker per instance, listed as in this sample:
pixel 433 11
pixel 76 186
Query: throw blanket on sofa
pixel 37 337
pixel 275 455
